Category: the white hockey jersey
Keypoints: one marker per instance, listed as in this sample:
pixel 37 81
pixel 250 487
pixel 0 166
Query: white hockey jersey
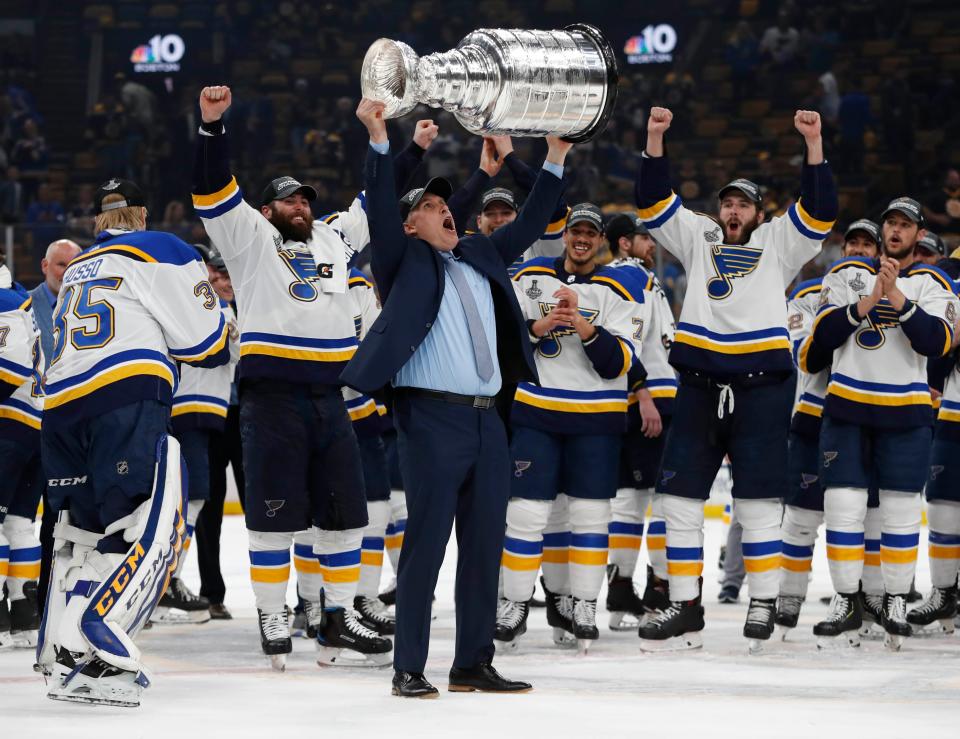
pixel 296 317
pixel 661 379
pixel 365 413
pixel 131 305
pixel 203 395
pixel 879 372
pixel 21 362
pixel 734 318
pixel 583 387
pixel 811 386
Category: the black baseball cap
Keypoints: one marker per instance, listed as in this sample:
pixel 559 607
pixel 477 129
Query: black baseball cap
pixel 216 261
pixel 283 187
pixel 867 226
pixel 750 189
pixel 588 213
pixel 907 206
pixel 436 186
pixel 204 251
pixel 623 224
pixel 933 243
pixel 498 195
pixel 132 195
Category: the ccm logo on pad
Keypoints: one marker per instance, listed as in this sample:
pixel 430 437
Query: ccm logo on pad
pixel 66 481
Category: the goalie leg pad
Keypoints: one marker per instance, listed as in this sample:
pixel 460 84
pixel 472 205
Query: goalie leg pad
pixel 127 595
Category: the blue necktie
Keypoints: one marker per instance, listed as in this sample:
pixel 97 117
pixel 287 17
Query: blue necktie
pixel 478 335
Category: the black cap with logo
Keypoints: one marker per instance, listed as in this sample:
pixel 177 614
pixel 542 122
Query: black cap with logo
pixel 933 244
pixel 870 228
pixel 132 195
pixel 586 213
pixel 621 225
pixel 498 195
pixel 907 206
pixel 749 189
pixel 436 186
pixel 283 187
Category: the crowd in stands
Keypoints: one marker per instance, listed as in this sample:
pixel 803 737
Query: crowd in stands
pixel 881 75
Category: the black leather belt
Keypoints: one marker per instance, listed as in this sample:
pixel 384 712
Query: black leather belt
pixel 475 401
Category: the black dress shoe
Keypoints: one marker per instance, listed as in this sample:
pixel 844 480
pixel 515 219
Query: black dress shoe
pixel 484 678
pixel 219 612
pixel 412 685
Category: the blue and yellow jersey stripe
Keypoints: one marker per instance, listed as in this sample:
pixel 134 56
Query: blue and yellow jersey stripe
pixel 184 404
pixel 17 411
pixel 810 404
pixel 806 224
pixel 114 369
pixel 879 393
pixel 949 411
pixel 219 202
pixel 769 339
pixel 555 228
pixel 659 213
pixel 532 268
pixel 572 401
pixel 214 343
pixel 14 374
pixel 297 348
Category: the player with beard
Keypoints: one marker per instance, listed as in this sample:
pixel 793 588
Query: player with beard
pixel 881 319
pixel 732 350
pixel 301 461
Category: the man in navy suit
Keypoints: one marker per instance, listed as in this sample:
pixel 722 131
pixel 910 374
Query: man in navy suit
pixel 54 263
pixel 450 335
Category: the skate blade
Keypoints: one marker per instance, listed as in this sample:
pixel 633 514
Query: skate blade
pixel 175 617
pixel 943 627
pixel 755 646
pixel 563 638
pixel 682 643
pixel 278 662
pixel 783 631
pixel 583 647
pixel 850 640
pixel 337 657
pixel 507 647
pixel 25 639
pixel 893 642
pixel 624 621
pixel 91 699
pixel 871 631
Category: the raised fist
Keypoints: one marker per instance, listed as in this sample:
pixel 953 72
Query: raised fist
pixel 214 102
pixel 807 122
pixel 489 162
pixel 425 132
pixel 370 113
pixel 659 120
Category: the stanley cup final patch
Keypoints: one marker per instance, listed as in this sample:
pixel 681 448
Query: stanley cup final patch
pixel 533 292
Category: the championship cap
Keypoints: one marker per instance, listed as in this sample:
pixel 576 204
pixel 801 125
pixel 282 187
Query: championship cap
pixel 283 187
pixel 216 260
pixel 204 251
pixel 132 195
pixel 587 213
pixel 623 224
pixel 933 244
pixel 498 195
pixel 750 189
pixel 437 186
pixel 867 226
pixel 907 206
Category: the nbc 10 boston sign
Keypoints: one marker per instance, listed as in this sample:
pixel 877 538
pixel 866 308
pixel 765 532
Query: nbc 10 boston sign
pixel 161 53
pixel 153 52
pixel 655 44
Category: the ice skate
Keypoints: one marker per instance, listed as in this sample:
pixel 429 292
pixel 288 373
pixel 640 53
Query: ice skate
pixel 95 681
pixel 842 624
pixel 374 615
pixel 623 603
pixel 585 629
pixel 559 616
pixel 24 619
pixel 894 621
pixel 759 624
pixel 389 596
pixel 511 624
pixel 788 613
pixel 935 616
pixel 6 638
pixel 275 638
pixel 179 605
pixel 675 628
pixel 656 594
pixel 343 641
pixel 872 627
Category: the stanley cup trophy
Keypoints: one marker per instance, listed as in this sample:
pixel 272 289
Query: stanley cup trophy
pixel 497 81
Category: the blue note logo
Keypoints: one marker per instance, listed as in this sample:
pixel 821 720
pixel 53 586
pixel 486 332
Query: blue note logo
pixel 829 457
pixel 549 346
pixel 882 317
pixel 273 506
pixel 806 480
pixel 935 470
pixel 666 476
pixel 729 263
pixel 520 466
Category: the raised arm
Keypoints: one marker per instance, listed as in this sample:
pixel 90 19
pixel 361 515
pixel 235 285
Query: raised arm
pixel 525 175
pixel 464 199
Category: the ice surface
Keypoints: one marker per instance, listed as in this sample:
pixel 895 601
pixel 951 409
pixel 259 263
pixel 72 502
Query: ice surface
pixel 212 681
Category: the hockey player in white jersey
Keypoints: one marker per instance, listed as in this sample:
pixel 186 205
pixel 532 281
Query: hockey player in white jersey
pixel 648 420
pixel 881 319
pixel 199 410
pixel 131 306
pixel 301 460
pixel 803 503
pixel 732 350
pixel 587 325
pixel 21 475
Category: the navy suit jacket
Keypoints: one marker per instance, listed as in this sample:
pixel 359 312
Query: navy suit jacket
pixel 44 315
pixel 410 277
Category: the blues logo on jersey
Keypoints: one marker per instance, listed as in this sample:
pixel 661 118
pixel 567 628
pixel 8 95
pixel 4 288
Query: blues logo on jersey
pixel 883 316
pixel 730 262
pixel 300 263
pixel 549 345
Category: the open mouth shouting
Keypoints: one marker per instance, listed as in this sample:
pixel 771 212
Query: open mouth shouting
pixel 448 224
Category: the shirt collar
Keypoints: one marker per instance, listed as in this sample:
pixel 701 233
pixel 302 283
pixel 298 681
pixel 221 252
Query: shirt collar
pixel 51 298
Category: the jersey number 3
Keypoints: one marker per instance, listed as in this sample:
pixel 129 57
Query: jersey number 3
pixel 80 301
